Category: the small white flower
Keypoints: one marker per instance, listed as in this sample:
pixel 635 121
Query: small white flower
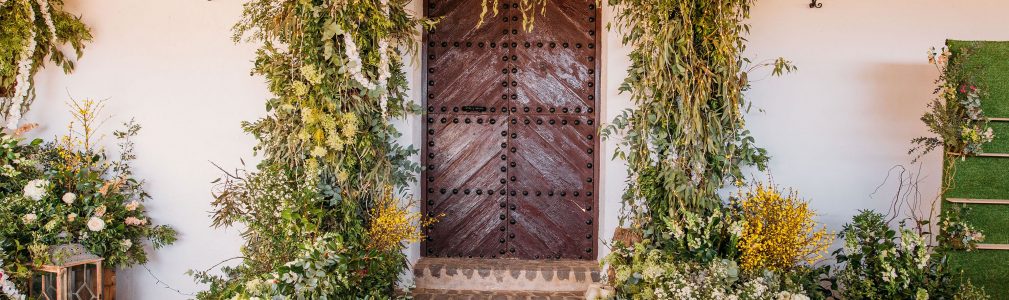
pixel 71 217
pixel 69 198
pixel 36 189
pixel 127 243
pixel 96 224
pixel 30 218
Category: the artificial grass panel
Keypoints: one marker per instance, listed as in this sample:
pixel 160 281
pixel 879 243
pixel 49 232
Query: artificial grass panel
pixel 986 177
pixel 980 178
pixel 985 268
pixel 991 61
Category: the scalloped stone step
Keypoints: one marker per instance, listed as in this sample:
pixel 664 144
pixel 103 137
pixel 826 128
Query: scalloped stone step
pixel 457 274
pixel 421 294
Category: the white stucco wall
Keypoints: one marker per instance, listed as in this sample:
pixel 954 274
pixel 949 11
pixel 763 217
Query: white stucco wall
pixel 834 128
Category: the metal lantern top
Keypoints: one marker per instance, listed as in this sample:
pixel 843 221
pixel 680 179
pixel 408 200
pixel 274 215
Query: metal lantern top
pixel 70 255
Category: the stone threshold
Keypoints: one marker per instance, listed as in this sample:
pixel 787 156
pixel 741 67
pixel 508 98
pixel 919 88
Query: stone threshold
pixel 423 294
pixel 461 274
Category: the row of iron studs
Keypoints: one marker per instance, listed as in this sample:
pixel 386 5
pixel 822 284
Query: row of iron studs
pixel 514 109
pixel 493 121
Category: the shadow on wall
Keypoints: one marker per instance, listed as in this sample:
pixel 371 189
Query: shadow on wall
pixel 900 95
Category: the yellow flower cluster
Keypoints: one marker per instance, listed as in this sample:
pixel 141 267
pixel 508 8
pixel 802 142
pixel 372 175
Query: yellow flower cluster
pixel 778 230
pixel 82 135
pixel 328 133
pixel 394 223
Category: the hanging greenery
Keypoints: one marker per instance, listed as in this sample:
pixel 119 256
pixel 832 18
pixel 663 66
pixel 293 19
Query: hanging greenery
pixel 30 32
pixel 686 137
pixel 529 9
pixel 322 216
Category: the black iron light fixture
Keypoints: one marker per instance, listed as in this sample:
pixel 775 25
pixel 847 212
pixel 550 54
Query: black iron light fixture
pixel 814 4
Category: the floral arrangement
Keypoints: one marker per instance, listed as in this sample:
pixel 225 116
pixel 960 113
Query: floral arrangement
pixel 683 142
pixel 955 115
pixel 324 214
pixel 70 191
pixel 878 263
pixel 779 232
pixel 647 271
pixel 30 32
pixel 720 255
pixel 955 232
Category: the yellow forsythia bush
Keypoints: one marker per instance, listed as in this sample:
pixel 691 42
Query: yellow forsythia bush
pixel 394 223
pixel 778 230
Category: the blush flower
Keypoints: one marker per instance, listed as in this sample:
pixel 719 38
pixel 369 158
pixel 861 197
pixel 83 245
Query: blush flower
pixel 135 221
pixel 100 211
pixel 132 205
pixel 96 224
pixel 69 198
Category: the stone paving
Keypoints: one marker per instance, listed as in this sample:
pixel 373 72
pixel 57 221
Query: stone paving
pixel 421 294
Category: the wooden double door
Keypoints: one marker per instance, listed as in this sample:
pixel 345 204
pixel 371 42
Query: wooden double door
pixel 511 131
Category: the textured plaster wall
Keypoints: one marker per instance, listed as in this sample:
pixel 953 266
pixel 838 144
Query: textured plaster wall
pixel 834 128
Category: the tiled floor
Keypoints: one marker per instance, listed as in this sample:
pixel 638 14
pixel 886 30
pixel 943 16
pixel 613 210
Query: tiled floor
pixel 421 294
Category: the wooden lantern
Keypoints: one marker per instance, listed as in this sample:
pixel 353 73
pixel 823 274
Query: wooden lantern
pixel 75 274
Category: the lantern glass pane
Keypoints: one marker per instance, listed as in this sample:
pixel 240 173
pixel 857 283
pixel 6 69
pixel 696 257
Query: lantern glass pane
pixel 82 282
pixel 43 286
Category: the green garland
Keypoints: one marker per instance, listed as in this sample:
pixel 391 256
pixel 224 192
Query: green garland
pixel 686 137
pixel 30 32
pixel 313 210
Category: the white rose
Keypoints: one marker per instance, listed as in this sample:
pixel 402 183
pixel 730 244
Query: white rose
pixel 127 243
pixel 96 224
pixel 36 189
pixel 69 198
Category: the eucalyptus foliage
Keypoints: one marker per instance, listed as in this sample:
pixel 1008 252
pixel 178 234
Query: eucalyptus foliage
pixel 30 32
pixel 686 137
pixel 330 155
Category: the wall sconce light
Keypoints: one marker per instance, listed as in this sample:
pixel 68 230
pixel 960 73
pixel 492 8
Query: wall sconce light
pixel 814 4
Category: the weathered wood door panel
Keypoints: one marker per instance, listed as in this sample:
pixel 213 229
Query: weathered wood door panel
pixel 454 85
pixel 466 188
pixel 510 143
pixel 555 80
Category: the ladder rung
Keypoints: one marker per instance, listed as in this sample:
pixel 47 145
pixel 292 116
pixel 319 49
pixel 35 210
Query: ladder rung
pixel 993 155
pixel 993 246
pixel 999 119
pixel 978 201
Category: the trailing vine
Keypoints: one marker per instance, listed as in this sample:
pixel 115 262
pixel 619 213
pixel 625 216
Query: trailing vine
pixel 686 137
pixel 30 32
pixel 528 8
pixel 322 215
